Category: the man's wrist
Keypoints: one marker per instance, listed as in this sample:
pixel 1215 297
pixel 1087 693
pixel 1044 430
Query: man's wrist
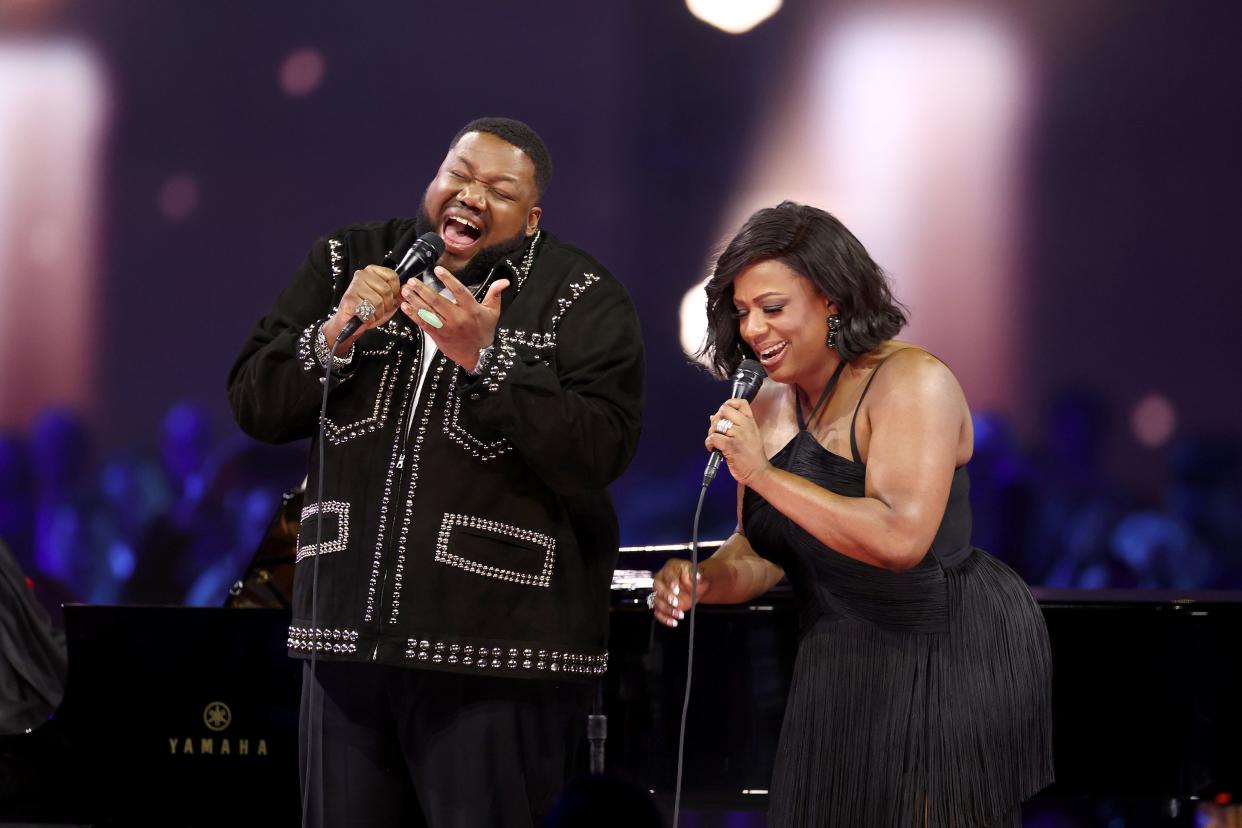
pixel 323 351
pixel 485 357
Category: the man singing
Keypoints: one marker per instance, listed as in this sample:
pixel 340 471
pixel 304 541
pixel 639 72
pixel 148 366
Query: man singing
pixel 452 576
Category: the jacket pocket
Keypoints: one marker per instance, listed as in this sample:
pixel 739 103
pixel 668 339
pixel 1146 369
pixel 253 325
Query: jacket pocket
pixel 496 550
pixel 477 440
pixel 364 403
pixel 335 528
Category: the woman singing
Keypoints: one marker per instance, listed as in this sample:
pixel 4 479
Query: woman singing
pixel 921 690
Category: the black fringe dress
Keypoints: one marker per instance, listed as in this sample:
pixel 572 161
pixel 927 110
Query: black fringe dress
pixel 918 699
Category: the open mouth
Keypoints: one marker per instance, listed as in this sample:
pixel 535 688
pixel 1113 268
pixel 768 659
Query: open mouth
pixel 773 353
pixel 460 233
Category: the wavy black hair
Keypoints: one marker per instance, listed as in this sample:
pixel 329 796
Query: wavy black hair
pixel 519 135
pixel 816 245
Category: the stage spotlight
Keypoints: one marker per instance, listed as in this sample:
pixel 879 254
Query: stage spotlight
pixel 733 16
pixel 692 320
pixel 909 124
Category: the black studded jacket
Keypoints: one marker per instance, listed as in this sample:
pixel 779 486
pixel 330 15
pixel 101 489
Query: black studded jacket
pixel 470 529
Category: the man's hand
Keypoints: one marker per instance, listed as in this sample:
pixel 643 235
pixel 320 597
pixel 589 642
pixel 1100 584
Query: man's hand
pixel 375 284
pixel 465 325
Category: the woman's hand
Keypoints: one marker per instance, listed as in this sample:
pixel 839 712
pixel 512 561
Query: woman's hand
pixel 671 590
pixel 739 441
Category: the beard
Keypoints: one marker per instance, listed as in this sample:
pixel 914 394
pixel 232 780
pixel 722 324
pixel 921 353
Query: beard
pixel 481 263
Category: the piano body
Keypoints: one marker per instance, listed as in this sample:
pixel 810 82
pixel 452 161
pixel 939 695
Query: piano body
pixel 188 716
pixel 172 716
pixel 1147 695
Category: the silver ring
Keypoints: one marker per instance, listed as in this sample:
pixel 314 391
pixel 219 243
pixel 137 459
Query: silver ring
pixel 651 600
pixel 365 310
pixel 723 426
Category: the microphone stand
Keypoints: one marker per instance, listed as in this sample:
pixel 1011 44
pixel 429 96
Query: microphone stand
pixel 597 732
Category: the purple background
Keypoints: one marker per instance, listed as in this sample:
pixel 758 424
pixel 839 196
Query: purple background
pixel 1128 265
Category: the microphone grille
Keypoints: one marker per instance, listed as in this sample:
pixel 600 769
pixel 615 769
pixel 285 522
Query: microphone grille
pixel 753 367
pixel 433 240
pixel 747 378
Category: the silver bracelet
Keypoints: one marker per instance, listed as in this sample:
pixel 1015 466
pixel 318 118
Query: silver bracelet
pixel 322 352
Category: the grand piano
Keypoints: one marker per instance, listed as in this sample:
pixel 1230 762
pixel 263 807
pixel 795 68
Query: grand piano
pixel 187 716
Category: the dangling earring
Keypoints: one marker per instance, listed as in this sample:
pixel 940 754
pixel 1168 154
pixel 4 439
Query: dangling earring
pixel 834 327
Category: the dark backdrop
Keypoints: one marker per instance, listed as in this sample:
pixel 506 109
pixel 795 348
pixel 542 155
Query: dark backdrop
pixel 1132 178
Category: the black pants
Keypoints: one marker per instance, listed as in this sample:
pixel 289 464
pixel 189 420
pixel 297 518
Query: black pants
pixel 390 746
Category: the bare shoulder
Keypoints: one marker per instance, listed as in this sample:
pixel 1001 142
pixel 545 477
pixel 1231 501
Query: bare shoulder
pixel 914 377
pixel 773 408
pixel 915 397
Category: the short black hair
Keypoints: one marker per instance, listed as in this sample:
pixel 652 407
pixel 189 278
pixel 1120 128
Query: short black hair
pixel 816 245
pixel 519 135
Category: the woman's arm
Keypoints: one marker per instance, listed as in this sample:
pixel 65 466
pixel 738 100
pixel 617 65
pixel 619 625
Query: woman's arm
pixel 917 414
pixel 734 573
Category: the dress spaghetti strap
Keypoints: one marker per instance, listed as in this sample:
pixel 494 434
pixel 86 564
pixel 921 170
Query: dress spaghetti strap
pixel 866 388
pixel 831 384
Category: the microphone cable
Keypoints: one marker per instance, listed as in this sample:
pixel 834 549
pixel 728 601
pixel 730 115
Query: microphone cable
pixel 694 606
pixel 747 378
pixel 312 687
pixel 425 251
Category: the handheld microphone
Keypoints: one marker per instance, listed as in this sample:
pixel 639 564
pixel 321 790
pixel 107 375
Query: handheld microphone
pixel 419 255
pixel 746 381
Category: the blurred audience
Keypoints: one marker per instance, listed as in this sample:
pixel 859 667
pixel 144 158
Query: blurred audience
pixel 17 498
pixel 132 528
pixel 180 528
pixel 1001 495
pixel 1075 502
pixel 72 539
pixel 1055 515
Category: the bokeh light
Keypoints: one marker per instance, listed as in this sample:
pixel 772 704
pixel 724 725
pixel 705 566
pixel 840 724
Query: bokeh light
pixel 178 197
pixel 302 72
pixel 1153 420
